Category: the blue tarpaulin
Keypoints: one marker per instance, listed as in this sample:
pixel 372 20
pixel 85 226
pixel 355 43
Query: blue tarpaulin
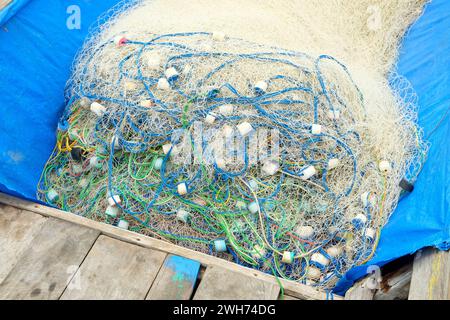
pixel 37 48
pixel 36 52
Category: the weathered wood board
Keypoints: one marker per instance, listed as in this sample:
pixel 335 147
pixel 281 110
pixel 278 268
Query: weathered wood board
pixel 115 269
pixel 175 280
pixel 291 288
pixel 17 230
pixel 431 275
pixel 360 291
pixel 46 266
pixel 219 283
pixel 395 286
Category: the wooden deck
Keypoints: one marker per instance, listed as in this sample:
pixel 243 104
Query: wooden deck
pixel 50 254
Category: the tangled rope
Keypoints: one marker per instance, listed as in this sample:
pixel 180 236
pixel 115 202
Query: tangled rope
pixel 255 154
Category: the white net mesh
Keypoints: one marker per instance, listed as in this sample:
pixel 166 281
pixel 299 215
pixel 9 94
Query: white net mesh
pixel 284 161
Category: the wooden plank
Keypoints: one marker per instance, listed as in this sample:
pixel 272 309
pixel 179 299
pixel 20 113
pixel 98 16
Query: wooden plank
pixel 4 3
pixel 115 270
pixel 395 285
pixel 292 288
pixel 44 269
pixel 431 275
pixel 219 283
pixel 360 291
pixel 175 280
pixel 288 298
pixel 17 229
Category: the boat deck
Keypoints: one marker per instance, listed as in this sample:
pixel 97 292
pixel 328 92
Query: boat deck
pixel 46 253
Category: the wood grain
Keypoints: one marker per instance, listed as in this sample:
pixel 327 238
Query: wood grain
pixel 46 266
pixel 291 288
pixel 431 275
pixel 395 286
pixel 360 291
pixel 17 230
pixel 115 269
pixel 219 283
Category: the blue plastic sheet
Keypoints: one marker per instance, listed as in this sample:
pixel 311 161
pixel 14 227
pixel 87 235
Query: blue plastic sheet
pixel 37 49
pixel 36 52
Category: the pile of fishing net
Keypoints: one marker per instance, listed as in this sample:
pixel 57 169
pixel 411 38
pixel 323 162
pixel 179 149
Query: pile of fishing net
pixel 270 157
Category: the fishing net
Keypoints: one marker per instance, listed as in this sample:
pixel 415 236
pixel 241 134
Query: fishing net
pixel 282 160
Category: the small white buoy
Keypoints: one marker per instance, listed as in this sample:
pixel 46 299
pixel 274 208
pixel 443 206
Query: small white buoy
pixel 182 189
pixel 94 162
pixel 385 166
pixel 253 207
pixel 261 87
pixel 288 257
pixel 52 195
pixel 171 74
pixel 154 61
pixel 182 215
pixel 270 167
pixel 316 129
pixel 158 163
pixel 313 273
pixel 112 211
pixel 334 114
pixel 98 109
pixel 123 224
pixel 226 109
pixel 166 148
pixel 334 251
pixel 227 131
pixel 146 103
pixel 219 36
pixel 360 218
pixel 113 200
pixel 220 245
pixel 130 85
pixel 244 128
pixel 258 252
pixel 332 163
pixel 308 172
pixel 304 232
pixel 370 233
pixel 85 102
pixel 115 141
pixel 163 84
pixel 320 259
pixel 253 185
pixel 210 118
pixel 220 163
